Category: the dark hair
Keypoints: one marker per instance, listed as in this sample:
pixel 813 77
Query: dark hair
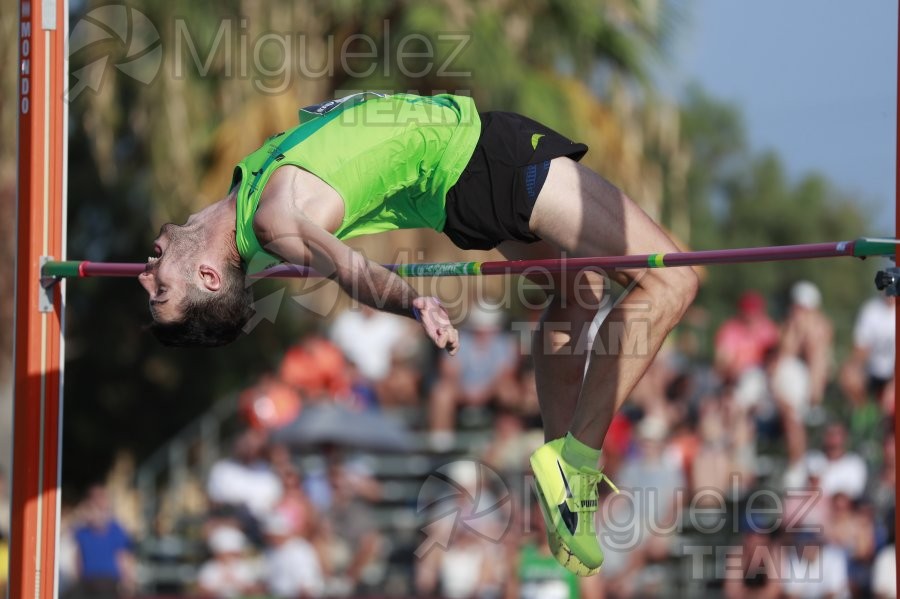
pixel 210 320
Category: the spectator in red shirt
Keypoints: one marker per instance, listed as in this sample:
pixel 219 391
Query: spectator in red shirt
pixel 742 341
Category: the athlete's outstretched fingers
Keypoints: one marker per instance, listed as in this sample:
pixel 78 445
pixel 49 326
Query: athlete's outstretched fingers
pixel 436 323
pixel 453 341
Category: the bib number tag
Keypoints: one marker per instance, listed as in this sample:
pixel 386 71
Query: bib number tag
pixel 322 109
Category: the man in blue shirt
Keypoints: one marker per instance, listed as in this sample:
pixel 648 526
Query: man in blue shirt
pixel 106 562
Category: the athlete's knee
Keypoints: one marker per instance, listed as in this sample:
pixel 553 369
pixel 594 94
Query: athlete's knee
pixel 673 290
pixel 685 284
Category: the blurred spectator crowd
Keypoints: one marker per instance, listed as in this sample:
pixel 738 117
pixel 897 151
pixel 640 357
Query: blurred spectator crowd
pixel 768 471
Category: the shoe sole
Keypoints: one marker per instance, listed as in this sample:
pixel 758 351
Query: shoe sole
pixel 566 558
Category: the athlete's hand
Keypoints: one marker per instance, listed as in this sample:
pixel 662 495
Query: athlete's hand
pixel 436 322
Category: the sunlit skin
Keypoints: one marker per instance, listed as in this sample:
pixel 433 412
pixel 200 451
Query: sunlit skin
pixel 297 216
pixel 182 255
pixel 159 278
pixel 577 212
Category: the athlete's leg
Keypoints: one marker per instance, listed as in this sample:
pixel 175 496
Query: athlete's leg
pixel 584 215
pixel 572 302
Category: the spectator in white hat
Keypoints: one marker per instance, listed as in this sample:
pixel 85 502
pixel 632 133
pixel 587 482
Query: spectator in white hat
pixel 808 335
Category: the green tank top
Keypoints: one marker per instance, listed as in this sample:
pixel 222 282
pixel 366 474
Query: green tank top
pixel 541 577
pixel 392 159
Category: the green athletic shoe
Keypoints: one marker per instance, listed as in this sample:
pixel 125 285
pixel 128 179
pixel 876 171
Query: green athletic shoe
pixel 568 499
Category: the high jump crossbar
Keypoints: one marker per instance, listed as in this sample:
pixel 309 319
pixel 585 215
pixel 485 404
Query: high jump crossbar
pixel 859 248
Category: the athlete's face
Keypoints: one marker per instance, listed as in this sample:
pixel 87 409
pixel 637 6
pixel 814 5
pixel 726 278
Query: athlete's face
pixel 170 270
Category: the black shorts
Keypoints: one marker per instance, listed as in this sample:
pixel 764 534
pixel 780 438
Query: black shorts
pixel 493 198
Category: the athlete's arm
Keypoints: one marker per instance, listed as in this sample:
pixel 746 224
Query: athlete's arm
pixel 303 242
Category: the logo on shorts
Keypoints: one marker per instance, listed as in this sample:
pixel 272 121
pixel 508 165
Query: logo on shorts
pixel 535 139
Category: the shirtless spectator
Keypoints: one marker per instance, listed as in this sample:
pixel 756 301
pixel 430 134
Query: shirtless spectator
pixel 790 388
pixel 808 335
pixel 725 460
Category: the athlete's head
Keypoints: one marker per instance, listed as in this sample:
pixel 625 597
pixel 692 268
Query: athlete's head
pixel 196 287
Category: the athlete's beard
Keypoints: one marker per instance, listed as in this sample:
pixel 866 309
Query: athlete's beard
pixel 185 242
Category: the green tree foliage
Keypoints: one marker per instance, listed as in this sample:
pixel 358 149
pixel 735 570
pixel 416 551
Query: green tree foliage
pixel 142 155
pixel 744 199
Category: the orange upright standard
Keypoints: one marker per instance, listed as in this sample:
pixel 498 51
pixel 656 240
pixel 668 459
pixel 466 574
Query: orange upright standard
pixel 38 361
